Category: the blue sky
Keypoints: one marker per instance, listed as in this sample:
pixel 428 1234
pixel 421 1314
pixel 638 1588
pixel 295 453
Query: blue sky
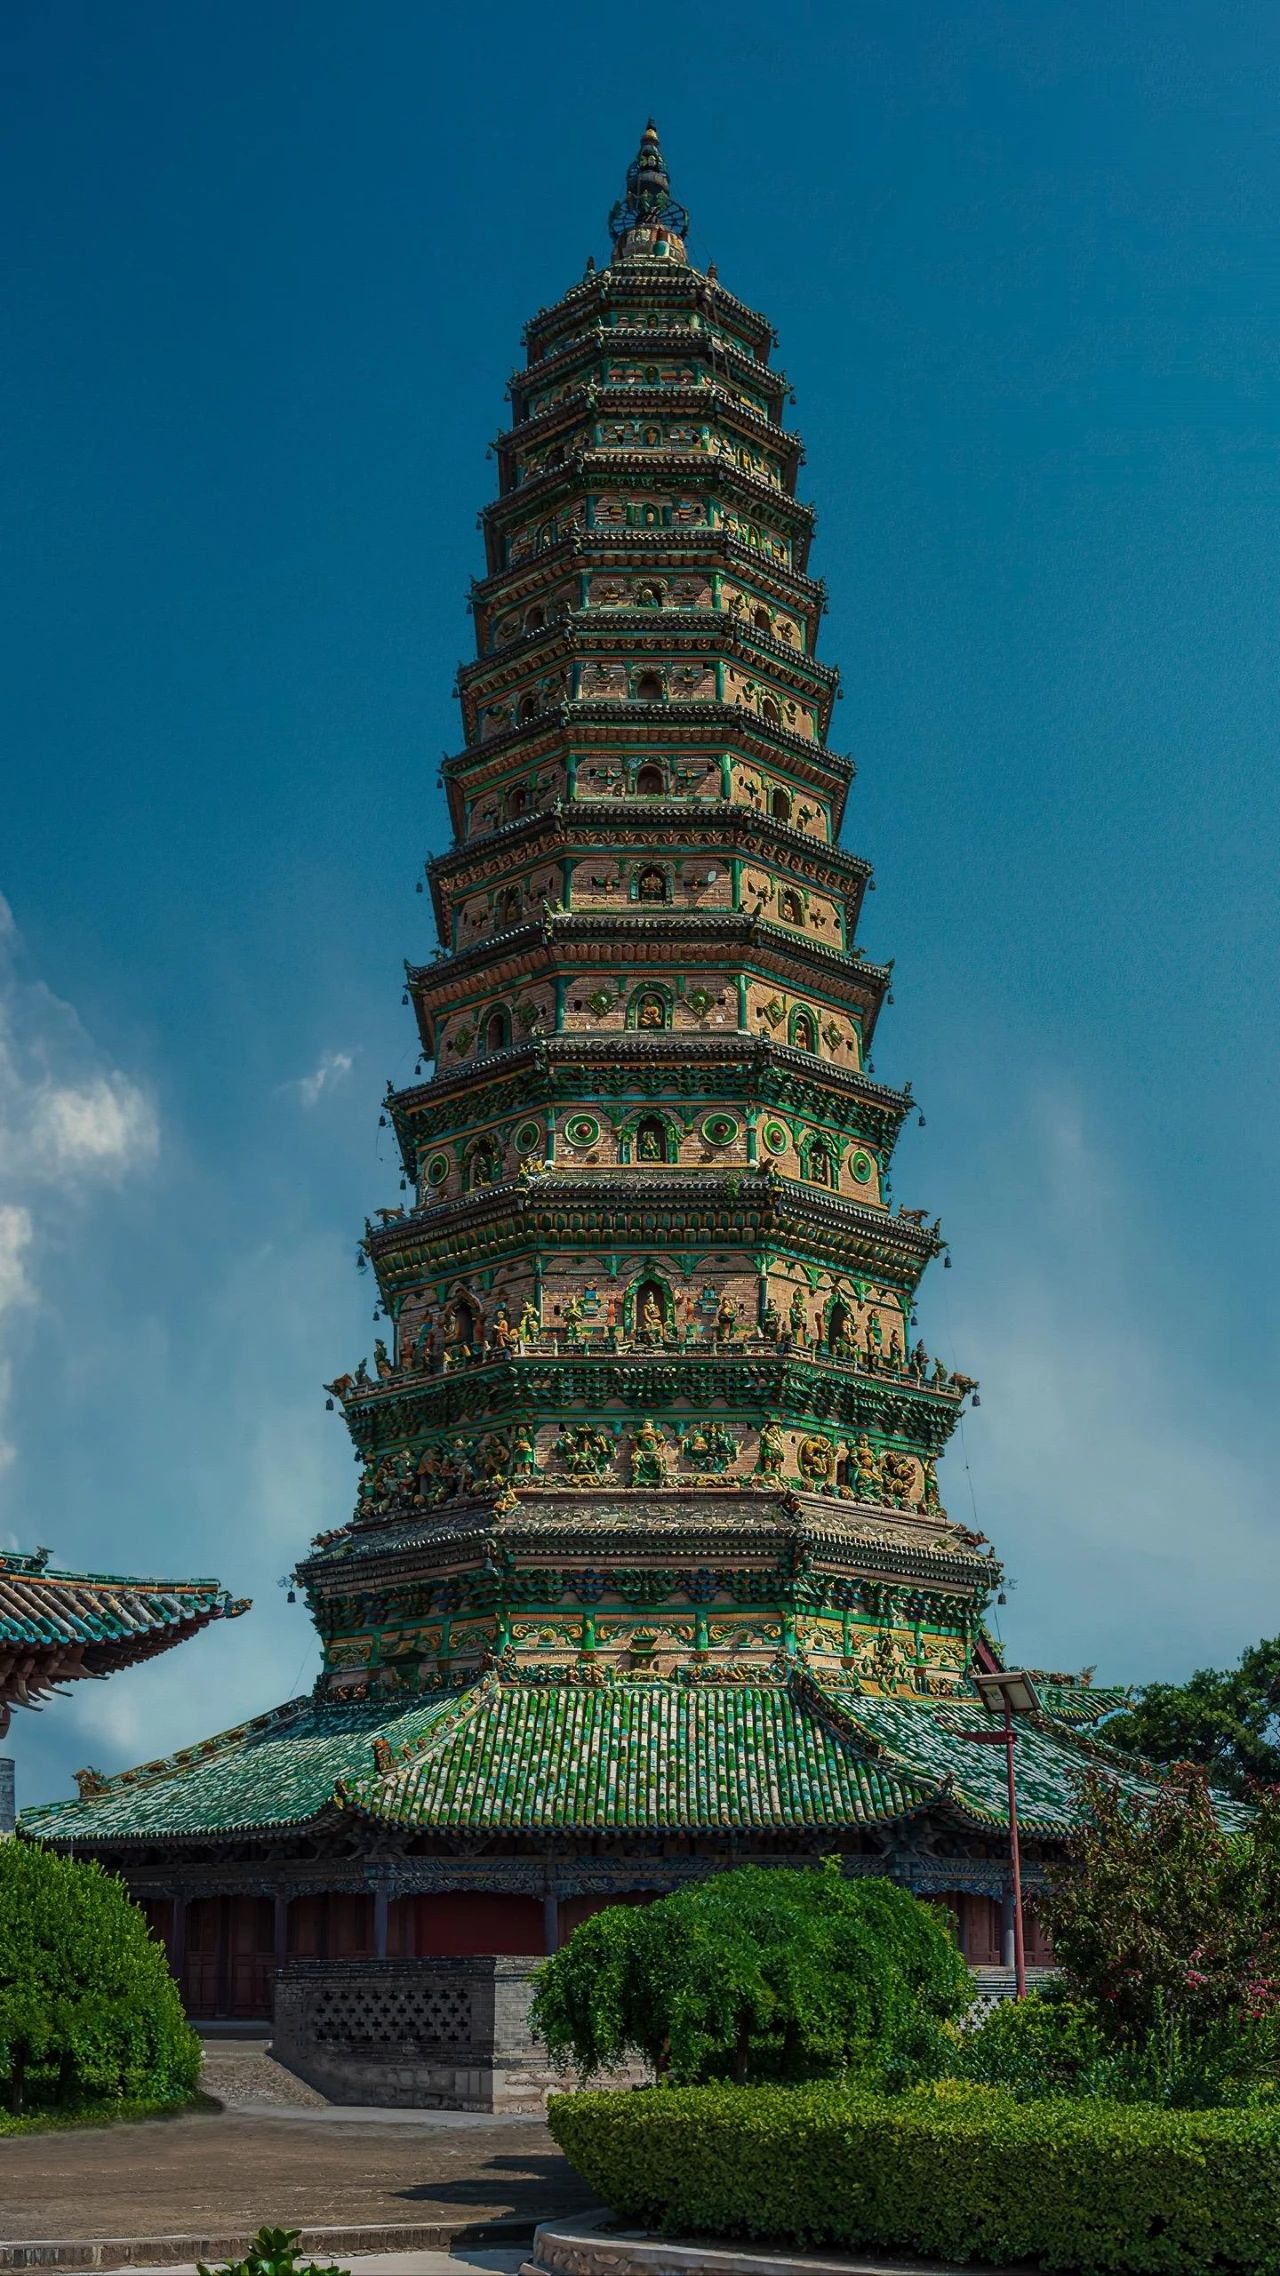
pixel 267 269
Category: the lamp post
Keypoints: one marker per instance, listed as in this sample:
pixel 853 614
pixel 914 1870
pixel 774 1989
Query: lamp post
pixel 1006 1693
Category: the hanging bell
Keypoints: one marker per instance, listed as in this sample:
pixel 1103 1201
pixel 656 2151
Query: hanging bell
pixel 921 1124
pixel 977 1399
pixel 404 1000
pixel 419 887
pixel 946 1263
pixel 328 1406
pixel 292 1596
pixel 1002 1598
pixel 382 1122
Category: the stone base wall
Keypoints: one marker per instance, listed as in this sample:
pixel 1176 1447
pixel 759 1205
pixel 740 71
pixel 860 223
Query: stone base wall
pixel 413 2034
pixel 442 2034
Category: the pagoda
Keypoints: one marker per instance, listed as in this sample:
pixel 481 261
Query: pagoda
pixel 649 1569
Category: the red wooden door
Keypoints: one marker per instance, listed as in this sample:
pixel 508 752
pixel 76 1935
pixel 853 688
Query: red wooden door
pixel 982 1919
pixel 202 1969
pixel 250 1955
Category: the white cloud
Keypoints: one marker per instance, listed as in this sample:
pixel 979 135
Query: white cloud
pixel 66 1121
pixel 332 1070
pixel 1132 1510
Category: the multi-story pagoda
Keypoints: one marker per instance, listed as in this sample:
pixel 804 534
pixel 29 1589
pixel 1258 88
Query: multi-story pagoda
pixel 649 1568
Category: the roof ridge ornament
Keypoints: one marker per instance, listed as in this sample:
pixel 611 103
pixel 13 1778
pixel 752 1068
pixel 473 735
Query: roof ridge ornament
pixel 648 224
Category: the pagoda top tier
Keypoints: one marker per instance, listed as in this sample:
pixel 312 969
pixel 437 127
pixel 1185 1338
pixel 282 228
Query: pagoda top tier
pixel 647 224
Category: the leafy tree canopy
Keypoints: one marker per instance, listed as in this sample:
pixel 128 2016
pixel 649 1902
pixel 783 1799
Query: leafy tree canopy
pixel 1227 1720
pixel 1162 1917
pixel 758 1973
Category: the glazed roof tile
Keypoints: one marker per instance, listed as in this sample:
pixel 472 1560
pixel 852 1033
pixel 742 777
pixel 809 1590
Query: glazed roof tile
pixel 926 1740
pixel 635 1756
pixel 640 1755
pixel 279 1770
pixel 42 1605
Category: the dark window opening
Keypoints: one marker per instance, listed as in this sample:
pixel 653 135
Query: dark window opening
pixel 649 782
pixel 649 688
pixel 780 806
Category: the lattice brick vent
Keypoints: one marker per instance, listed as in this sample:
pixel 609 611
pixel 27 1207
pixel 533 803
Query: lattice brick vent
pixel 396 2013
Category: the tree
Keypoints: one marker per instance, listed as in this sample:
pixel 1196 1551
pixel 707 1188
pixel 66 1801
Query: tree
pixel 1162 1916
pixel 759 1973
pixel 89 2012
pixel 1227 1720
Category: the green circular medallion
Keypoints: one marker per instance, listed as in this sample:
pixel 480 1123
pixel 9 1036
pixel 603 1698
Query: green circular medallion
pixel 775 1138
pixel 437 1169
pixel 720 1130
pixel 528 1137
pixel 582 1130
pixel 862 1166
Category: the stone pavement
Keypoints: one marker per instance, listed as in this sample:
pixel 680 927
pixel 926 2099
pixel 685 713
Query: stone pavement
pixel 466 2261
pixel 216 2175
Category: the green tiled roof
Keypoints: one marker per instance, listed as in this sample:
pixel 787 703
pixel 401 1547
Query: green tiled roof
pixel 511 1756
pixel 1082 1705
pixel 632 1756
pixel 924 1739
pixel 42 1606
pixel 279 1770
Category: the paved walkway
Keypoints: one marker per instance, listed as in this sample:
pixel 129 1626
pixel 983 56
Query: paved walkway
pixel 477 2261
pixel 211 2175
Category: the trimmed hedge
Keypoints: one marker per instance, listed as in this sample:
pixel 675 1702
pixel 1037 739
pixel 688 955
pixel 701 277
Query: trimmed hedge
pixel 957 2171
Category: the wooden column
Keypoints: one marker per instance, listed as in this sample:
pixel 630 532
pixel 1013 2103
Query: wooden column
pixel 380 1910
pixel 178 1940
pixel 551 1923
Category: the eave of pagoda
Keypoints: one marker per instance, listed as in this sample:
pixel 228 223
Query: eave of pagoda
pixel 928 1549
pixel 700 547
pixel 813 1394
pixel 613 398
pixel 700 471
pixel 775 1074
pixel 682 727
pixel 681 286
pixel 753 1207
pixel 658 341
pixel 584 828
pixel 569 942
pixel 601 632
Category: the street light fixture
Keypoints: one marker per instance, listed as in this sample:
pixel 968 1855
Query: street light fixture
pixel 1004 1693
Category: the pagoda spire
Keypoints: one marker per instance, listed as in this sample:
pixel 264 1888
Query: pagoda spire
pixel 647 224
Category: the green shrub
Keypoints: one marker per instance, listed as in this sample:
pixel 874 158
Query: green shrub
pixel 274 2252
pixel 1053 2043
pixel 758 1974
pixel 89 2013
pixel 951 2170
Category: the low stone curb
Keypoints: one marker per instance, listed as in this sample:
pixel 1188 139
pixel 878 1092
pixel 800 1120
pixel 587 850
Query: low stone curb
pixel 231 2244
pixel 587 2248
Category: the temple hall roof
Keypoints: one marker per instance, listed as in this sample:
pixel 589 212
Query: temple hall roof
pixel 57 1625
pixel 515 1754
